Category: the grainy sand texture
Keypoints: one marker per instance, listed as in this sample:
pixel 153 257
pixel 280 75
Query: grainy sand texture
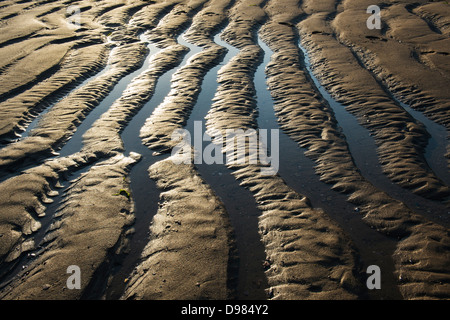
pixel 93 179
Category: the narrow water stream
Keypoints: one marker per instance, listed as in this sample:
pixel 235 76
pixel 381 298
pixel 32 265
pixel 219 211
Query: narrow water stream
pixel 72 146
pixel 436 148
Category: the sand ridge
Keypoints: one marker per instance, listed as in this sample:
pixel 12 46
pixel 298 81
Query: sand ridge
pixel 75 228
pixel 288 224
pixel 59 123
pixel 399 138
pixel 190 252
pixel 173 112
pixel 303 116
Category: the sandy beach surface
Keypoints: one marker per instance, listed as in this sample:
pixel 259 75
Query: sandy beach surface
pixel 92 178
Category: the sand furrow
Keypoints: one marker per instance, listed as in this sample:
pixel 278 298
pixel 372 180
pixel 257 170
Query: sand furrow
pixel 114 15
pixel 58 125
pixel 103 137
pixel 42 25
pixel 173 112
pixel 325 144
pixel 435 14
pixel 141 88
pixel 105 131
pixel 148 17
pixel 89 231
pixel 415 46
pixel 22 221
pixel 355 176
pixel 10 10
pixel 207 21
pixel 33 68
pixel 180 16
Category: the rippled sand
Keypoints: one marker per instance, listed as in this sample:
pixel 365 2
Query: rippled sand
pixel 59 63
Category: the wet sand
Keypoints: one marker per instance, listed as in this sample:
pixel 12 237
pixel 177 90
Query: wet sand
pixel 191 243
